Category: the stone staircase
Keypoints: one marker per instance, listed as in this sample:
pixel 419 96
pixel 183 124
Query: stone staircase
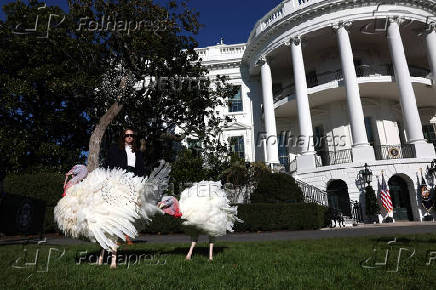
pixel 312 193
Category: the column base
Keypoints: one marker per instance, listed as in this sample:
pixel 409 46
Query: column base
pixel 424 150
pixel 363 154
pixel 306 162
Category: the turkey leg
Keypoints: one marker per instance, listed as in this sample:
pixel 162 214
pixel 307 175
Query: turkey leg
pixel 211 242
pixel 114 260
pixel 194 240
pixel 100 259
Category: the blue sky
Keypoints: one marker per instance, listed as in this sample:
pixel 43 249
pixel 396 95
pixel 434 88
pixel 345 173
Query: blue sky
pixel 231 19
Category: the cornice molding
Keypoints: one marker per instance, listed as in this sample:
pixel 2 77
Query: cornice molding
pixel 260 44
pixel 223 65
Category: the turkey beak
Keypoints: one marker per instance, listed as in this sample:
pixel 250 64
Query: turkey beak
pixel 161 205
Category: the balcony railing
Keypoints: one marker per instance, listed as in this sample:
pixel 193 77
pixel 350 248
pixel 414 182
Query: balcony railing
pixel 388 152
pixel 314 80
pixel 335 157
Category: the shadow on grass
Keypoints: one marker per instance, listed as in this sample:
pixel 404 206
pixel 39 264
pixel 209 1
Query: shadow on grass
pixel 144 256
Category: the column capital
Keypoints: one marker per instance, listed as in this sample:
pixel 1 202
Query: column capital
pixel 296 40
pixel 262 60
pixel 430 27
pixel 396 19
pixel 342 24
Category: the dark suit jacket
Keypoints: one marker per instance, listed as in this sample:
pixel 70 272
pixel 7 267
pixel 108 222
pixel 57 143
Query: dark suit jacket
pixel 118 159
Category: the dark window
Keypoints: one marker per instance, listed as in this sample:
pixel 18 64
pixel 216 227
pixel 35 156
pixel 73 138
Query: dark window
pixel 312 79
pixel 277 89
pixel 235 102
pixel 237 146
pixel 318 138
pixel 283 151
pixel 369 130
pixel 195 146
pixel 429 133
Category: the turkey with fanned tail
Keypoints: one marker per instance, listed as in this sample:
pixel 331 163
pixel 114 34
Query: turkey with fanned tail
pixel 108 204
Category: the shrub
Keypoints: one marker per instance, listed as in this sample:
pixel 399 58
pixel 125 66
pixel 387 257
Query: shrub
pixel 186 168
pixel 371 205
pixel 275 188
pixel 256 217
pixel 286 216
pixel 45 186
pixel 163 224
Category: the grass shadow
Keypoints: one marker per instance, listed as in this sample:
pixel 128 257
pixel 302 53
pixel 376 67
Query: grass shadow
pixel 149 256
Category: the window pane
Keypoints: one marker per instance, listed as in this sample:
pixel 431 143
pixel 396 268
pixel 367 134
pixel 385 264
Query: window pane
pixel 283 151
pixel 237 146
pixel 235 102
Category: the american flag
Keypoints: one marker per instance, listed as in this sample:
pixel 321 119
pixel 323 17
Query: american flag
pixel 385 196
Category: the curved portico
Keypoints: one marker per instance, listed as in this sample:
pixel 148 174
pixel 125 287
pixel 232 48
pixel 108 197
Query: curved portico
pixel 350 68
pixel 327 86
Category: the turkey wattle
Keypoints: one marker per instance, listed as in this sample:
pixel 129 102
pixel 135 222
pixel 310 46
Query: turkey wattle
pixel 105 205
pixel 205 207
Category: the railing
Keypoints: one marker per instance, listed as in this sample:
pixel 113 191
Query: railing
pixel 312 193
pixel 374 70
pixel 314 80
pixel 293 166
pixel 278 13
pixel 388 152
pixel 335 157
pixel 284 160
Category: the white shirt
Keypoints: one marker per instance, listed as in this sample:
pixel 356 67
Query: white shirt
pixel 131 158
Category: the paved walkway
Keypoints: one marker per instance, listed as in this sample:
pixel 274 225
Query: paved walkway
pixel 399 228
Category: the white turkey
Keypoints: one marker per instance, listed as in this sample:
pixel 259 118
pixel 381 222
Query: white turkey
pixel 204 207
pixel 107 205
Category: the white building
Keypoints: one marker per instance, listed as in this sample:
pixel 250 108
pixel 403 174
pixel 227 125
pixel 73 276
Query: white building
pixel 357 75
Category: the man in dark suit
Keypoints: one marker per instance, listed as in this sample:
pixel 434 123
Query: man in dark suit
pixel 126 155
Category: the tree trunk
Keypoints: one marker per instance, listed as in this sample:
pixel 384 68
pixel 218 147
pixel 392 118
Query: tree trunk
pixel 100 129
pixel 97 135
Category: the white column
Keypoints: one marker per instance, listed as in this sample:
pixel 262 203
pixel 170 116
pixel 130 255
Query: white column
pixel 431 50
pixel 362 151
pixel 412 120
pixel 269 115
pixel 357 119
pixel 402 77
pixel 304 117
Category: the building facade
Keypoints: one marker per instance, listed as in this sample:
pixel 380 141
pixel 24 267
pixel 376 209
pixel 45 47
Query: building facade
pixel 327 86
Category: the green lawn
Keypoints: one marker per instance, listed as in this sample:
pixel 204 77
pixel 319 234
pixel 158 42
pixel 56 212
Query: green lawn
pixel 329 263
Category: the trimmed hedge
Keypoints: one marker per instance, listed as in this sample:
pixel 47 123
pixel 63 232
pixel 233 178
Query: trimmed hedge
pixel 45 186
pixel 163 224
pixel 257 217
pixel 285 216
pixel 277 188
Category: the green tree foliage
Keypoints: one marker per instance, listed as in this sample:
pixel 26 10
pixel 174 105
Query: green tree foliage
pixel 275 188
pixel 55 90
pixel 372 207
pixel 45 86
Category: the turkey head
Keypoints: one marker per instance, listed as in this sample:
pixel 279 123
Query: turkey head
pixel 170 205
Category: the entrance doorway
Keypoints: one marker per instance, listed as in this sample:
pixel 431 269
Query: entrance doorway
pixel 400 198
pixel 337 192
